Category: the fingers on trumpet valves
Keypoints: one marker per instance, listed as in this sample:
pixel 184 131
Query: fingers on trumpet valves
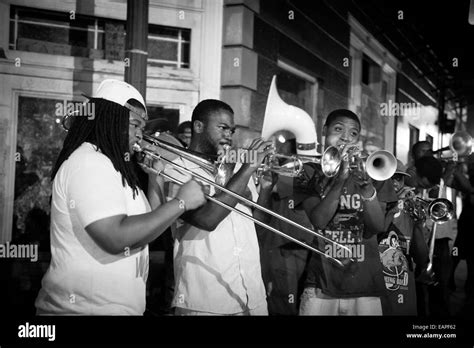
pixel 268 147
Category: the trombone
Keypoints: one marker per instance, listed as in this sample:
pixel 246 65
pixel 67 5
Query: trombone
pixel 148 155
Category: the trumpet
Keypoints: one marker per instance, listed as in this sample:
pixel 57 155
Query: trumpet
pixel 381 165
pixel 157 149
pixel 439 210
pixel 460 144
pixel 292 165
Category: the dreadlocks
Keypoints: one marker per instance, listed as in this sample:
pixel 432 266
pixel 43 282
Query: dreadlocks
pixel 108 131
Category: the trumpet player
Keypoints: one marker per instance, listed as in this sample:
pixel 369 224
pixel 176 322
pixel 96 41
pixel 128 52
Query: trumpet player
pixel 216 252
pixel 429 182
pixel 401 244
pixel 101 221
pixel 346 209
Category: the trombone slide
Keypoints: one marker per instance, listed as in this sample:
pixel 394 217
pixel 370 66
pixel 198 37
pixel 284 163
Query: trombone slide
pixel 248 202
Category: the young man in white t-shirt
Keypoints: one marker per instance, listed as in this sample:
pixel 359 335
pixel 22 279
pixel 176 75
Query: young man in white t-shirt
pixel 216 253
pixel 101 221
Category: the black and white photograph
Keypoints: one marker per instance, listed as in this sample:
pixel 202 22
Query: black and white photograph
pixel 169 167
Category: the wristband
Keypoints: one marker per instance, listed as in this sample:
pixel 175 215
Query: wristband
pixel 371 198
pixel 182 204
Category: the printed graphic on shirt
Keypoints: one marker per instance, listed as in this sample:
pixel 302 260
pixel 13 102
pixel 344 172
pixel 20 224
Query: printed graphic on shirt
pixel 393 249
pixel 347 228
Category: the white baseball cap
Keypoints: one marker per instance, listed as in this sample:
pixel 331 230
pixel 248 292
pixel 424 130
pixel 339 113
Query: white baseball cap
pixel 120 92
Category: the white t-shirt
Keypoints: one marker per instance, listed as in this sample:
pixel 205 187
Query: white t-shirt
pixel 82 277
pixel 219 271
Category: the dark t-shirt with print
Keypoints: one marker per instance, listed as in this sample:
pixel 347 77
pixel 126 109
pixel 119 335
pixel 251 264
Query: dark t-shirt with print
pixel 364 276
pixel 394 246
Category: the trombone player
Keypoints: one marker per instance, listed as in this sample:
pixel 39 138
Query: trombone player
pixel 101 221
pixel 216 253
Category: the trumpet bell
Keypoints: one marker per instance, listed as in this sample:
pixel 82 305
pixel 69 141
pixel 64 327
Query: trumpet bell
pixel 461 143
pixel 441 210
pixel 331 161
pixel 381 165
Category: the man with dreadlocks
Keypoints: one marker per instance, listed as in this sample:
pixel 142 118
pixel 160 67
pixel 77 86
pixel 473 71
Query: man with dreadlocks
pixel 101 221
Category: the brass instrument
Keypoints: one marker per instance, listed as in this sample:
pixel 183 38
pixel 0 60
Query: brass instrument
pixel 381 165
pixel 414 207
pixel 157 149
pixel 282 116
pixel 292 166
pixel 439 210
pixel 460 144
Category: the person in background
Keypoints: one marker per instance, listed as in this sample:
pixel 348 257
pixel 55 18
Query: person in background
pixel 184 133
pixel 401 244
pixel 419 149
pixel 463 179
pixel 283 261
pixel 428 176
pixel 372 144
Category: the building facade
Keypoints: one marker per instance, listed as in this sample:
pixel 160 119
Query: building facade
pixel 56 51
pixel 326 55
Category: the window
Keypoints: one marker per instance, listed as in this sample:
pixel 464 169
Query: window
pixel 371 72
pixel 54 32
pixel 295 90
pixel 414 135
pixel 429 139
pixel 162 119
pixel 296 87
pixel 168 46
pixel 365 71
pixel 39 141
